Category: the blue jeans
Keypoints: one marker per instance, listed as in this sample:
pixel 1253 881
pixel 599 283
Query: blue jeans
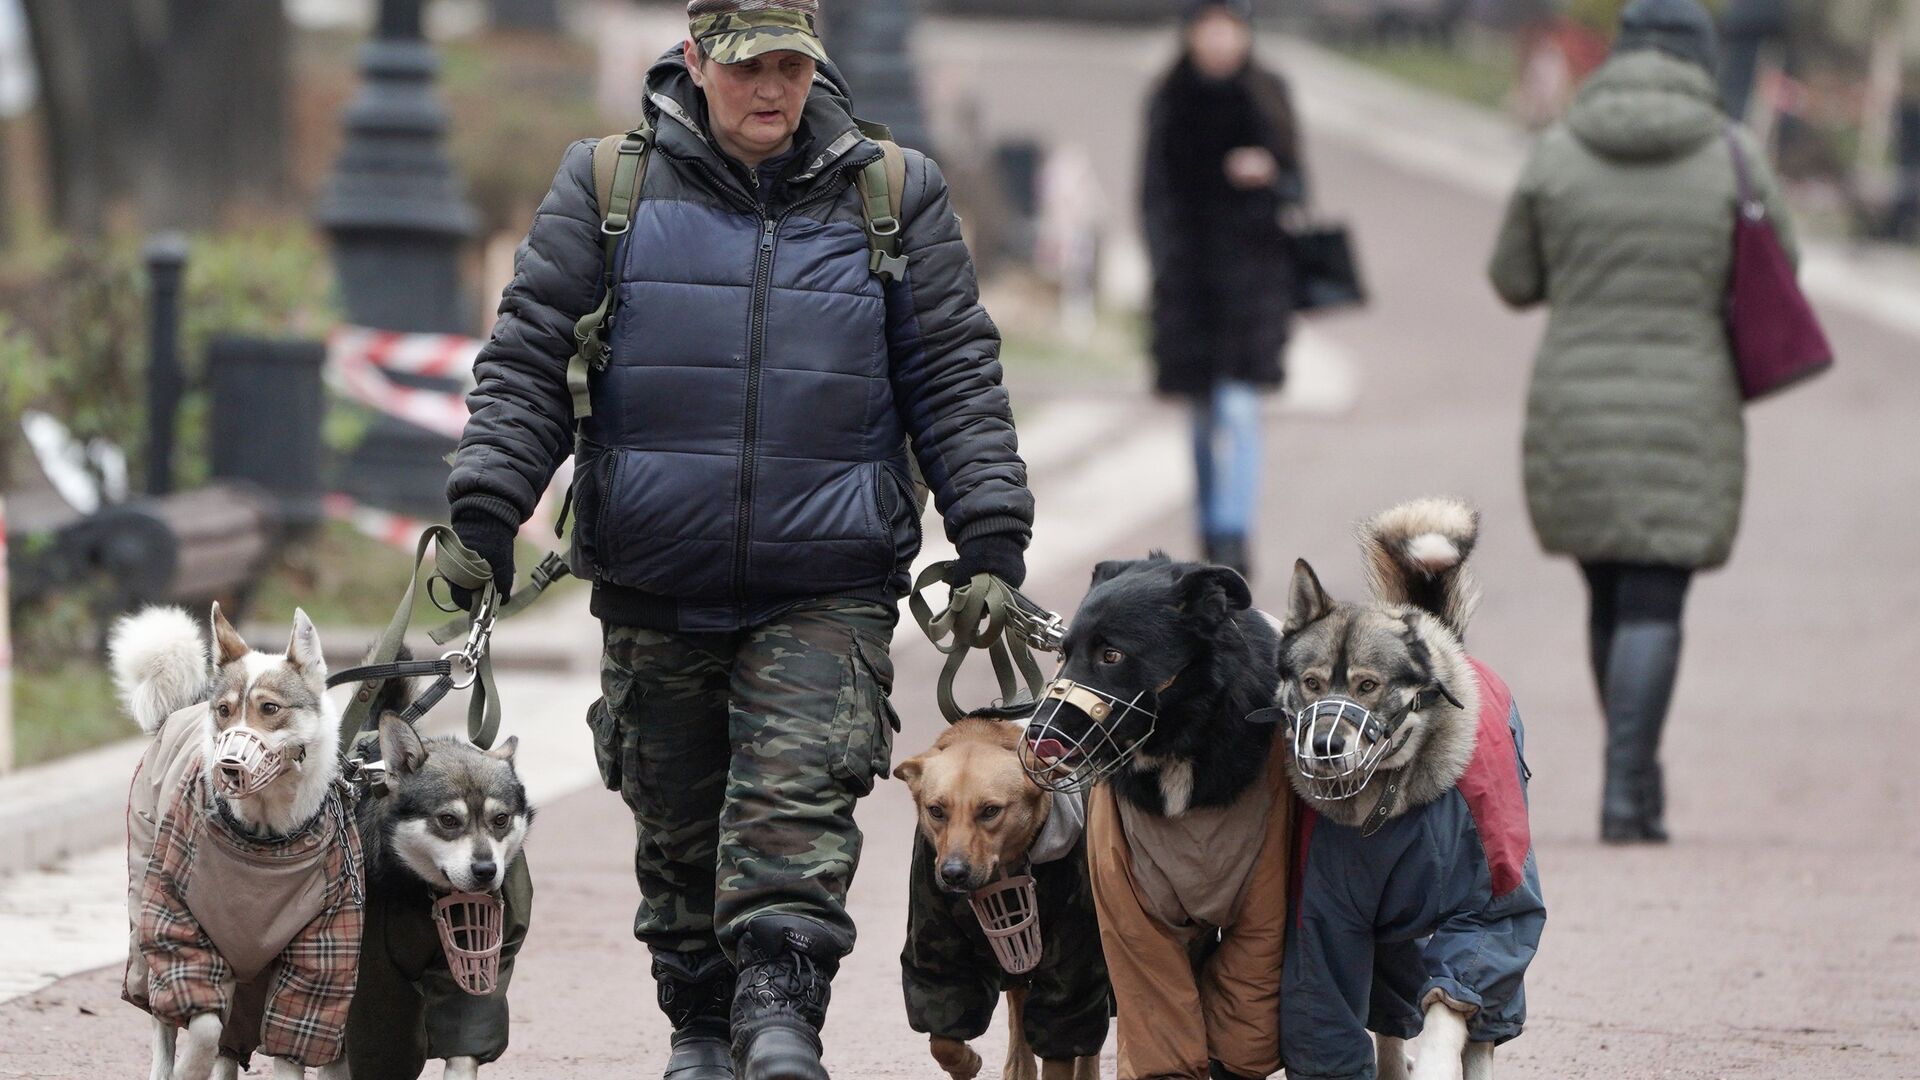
pixel 1226 458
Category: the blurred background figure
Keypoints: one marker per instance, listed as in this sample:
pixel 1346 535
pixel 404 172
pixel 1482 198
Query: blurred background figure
pixel 1635 446
pixel 1222 162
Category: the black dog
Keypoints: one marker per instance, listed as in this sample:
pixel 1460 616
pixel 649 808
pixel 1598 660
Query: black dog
pixel 1187 835
pixel 1178 656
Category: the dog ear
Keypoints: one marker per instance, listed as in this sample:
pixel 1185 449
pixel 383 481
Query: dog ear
pixel 909 770
pixel 1307 602
pixel 401 747
pixel 227 646
pixel 1108 570
pixel 1198 585
pixel 303 649
pixel 505 751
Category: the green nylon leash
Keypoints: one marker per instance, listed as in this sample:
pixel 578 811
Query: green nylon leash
pixel 470 665
pixel 986 614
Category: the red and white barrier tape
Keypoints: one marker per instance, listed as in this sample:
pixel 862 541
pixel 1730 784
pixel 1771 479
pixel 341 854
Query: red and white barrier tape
pixel 359 362
pixel 444 356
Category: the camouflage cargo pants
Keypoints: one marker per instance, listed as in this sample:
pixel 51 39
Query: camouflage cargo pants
pixel 741 756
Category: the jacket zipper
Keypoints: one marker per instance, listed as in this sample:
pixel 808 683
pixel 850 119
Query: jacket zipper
pixel 756 355
pixel 756 349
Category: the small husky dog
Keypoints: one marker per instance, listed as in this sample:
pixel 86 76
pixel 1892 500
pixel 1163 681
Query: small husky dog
pixel 1407 753
pixel 242 768
pixel 452 821
pixel 988 831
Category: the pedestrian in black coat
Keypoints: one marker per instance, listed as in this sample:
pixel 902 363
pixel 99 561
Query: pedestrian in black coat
pixel 1222 163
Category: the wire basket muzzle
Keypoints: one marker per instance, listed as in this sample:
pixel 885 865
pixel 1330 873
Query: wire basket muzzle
pixel 1009 914
pixel 1338 744
pixel 243 763
pixel 1059 759
pixel 472 929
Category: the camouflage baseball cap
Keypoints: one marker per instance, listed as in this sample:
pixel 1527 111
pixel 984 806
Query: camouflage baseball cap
pixel 730 31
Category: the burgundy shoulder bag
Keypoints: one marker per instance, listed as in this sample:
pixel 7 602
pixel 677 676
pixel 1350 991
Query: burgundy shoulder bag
pixel 1776 338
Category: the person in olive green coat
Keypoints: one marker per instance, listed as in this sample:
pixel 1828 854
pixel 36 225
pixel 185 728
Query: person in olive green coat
pixel 1635 449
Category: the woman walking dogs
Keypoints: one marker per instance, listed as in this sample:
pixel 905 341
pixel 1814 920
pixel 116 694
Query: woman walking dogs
pixel 744 508
pixel 1635 447
pixel 1221 164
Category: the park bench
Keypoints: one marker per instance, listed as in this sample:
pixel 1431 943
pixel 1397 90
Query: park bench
pixel 194 547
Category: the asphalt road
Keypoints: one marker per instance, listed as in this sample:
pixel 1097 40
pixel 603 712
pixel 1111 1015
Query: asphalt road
pixel 1776 936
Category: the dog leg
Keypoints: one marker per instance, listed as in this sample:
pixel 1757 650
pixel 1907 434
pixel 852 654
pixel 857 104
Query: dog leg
pixel 1391 1054
pixel 163 1034
pixel 461 1068
pixel 1479 1061
pixel 195 1061
pixel 956 1057
pixel 1442 1042
pixel 1020 1061
pixel 1086 1068
pixel 288 1069
pixel 225 1068
pixel 334 1070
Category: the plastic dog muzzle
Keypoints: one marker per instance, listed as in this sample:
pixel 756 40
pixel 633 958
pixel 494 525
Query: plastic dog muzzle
pixel 1320 735
pixel 1058 761
pixel 243 763
pixel 472 928
pixel 1009 914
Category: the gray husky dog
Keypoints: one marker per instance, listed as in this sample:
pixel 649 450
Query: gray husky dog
pixel 240 775
pixel 452 820
pixel 1420 903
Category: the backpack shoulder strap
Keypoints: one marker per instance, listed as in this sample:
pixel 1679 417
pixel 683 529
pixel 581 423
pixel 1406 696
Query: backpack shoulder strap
pixel 619 170
pixel 882 183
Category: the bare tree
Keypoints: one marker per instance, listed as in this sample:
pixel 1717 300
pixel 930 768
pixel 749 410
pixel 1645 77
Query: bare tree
pixel 173 107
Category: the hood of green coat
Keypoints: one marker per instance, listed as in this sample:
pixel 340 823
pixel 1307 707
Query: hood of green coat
pixel 1646 106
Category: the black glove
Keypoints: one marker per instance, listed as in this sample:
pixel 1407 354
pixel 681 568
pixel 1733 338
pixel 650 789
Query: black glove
pixel 999 554
pixel 490 537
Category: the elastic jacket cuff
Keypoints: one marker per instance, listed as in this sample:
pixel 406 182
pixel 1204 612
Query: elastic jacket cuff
pixel 997 525
pixel 475 510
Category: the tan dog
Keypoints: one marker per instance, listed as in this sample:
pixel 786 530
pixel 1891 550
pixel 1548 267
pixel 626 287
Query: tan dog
pixel 979 815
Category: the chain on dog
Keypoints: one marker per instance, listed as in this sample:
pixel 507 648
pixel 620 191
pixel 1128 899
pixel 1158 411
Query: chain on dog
pixel 1009 914
pixel 243 763
pixel 472 930
pixel 1058 761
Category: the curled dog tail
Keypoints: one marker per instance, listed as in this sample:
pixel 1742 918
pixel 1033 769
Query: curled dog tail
pixel 1416 553
pixel 159 664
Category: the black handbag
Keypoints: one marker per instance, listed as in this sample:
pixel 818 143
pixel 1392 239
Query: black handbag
pixel 1326 275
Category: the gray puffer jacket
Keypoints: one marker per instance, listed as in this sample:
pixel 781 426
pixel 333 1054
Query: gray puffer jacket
pixel 747 444
pixel 1623 225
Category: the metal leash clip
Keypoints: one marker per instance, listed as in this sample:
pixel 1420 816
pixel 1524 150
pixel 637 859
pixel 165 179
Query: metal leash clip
pixel 464 662
pixel 1044 630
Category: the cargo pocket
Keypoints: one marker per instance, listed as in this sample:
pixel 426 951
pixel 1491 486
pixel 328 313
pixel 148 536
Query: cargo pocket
pixel 864 720
pixel 606 743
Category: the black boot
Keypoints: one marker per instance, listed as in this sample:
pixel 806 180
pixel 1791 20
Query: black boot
pixel 787 964
pixel 1641 668
pixel 696 993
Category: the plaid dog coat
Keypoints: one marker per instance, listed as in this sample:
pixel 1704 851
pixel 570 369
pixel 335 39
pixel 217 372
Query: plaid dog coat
pixel 218 915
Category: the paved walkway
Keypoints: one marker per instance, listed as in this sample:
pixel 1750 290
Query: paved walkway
pixel 1775 937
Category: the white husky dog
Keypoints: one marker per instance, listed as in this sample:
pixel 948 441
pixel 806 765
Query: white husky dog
pixel 241 774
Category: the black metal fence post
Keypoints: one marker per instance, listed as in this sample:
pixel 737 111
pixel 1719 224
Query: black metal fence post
pixel 166 256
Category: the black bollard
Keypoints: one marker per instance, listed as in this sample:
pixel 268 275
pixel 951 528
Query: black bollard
pixel 166 256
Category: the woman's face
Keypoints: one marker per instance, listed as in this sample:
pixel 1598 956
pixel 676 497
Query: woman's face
pixel 754 106
pixel 1219 42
